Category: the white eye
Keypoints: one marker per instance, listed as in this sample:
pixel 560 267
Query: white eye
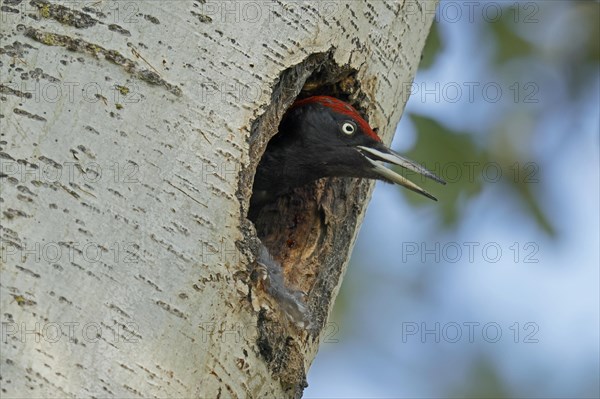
pixel 348 128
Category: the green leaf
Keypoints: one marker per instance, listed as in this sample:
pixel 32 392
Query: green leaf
pixel 452 156
pixel 510 44
pixel 456 158
pixel 521 175
pixel 484 382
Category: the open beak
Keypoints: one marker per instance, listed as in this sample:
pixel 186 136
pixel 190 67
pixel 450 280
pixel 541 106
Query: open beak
pixel 377 156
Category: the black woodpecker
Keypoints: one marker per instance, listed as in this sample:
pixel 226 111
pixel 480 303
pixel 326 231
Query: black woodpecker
pixel 318 137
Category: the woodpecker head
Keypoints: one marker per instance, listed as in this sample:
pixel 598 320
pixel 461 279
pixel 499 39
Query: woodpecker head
pixel 322 136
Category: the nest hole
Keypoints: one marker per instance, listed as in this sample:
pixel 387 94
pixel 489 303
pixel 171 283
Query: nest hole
pixel 294 227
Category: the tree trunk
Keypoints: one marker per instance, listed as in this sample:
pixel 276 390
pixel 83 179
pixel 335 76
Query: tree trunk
pixel 130 136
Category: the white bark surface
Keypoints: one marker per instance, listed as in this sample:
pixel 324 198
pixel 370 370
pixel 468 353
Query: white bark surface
pixel 127 155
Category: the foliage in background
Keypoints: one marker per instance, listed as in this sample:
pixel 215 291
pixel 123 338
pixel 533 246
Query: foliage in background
pixel 576 59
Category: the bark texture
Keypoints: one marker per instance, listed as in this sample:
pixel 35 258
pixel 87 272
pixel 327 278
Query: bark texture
pixel 130 136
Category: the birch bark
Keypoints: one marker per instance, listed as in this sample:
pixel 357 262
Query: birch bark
pixel 130 135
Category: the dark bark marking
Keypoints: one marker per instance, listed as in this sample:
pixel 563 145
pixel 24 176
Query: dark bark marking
pixel 82 46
